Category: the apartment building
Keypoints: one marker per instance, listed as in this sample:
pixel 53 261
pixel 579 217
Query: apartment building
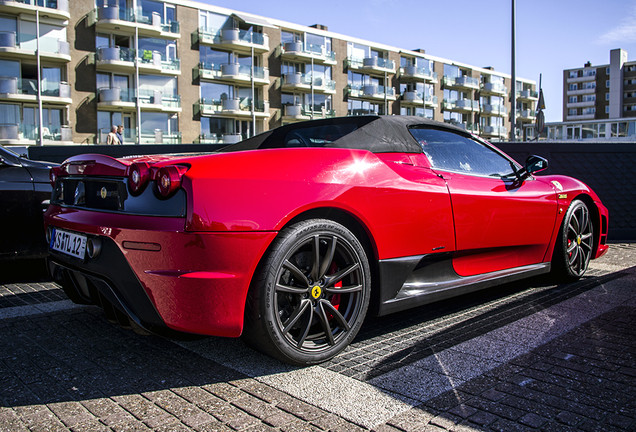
pixel 602 91
pixel 184 72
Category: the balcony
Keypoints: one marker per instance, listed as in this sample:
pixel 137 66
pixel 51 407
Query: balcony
pixel 304 82
pixel 470 127
pixel 411 98
pixel 304 112
pixel 24 46
pixel 494 131
pixel 583 78
pixel 581 117
pixel 527 115
pixel 460 105
pixel 147 136
pixel 27 134
pixel 111 17
pixel 235 39
pixel 494 110
pixel 123 60
pixel 463 82
pixel 298 51
pixel 413 73
pixel 582 104
pixel 371 92
pixel 115 98
pixel 527 95
pixel 232 72
pixel 212 138
pixel 235 108
pixel 26 90
pixel 372 65
pixel 583 91
pixel 496 89
pixel 56 9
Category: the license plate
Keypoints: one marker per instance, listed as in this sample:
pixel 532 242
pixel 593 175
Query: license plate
pixel 68 243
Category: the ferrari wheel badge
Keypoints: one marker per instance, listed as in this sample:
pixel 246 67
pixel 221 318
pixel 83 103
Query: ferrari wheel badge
pixel 316 291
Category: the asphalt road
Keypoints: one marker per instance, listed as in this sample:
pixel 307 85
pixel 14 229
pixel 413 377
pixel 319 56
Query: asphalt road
pixel 524 356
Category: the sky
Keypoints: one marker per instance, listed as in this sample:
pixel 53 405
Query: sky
pixel 552 35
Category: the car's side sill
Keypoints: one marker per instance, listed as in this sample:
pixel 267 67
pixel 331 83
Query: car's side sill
pixel 418 289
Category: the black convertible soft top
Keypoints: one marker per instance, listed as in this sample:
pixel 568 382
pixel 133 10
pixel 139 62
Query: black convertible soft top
pixel 378 134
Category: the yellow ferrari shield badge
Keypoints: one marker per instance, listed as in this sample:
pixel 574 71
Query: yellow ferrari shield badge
pixel 316 291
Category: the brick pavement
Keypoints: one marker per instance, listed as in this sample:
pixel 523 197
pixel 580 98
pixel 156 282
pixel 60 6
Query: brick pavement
pixel 71 370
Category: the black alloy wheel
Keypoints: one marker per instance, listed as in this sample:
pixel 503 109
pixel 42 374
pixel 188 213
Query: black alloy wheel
pixel 313 294
pixel 574 247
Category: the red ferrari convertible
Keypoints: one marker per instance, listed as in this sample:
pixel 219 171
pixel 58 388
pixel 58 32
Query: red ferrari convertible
pixel 290 238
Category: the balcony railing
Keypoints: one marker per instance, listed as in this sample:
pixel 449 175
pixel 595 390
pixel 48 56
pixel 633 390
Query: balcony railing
pixel 25 86
pixel 157 97
pixel 212 138
pixel 306 111
pixel 232 36
pixel 111 12
pixel 495 130
pixel 463 81
pixel 494 88
pixel 298 79
pixel 27 41
pixel 527 94
pixel 235 70
pixel 30 132
pixel 460 105
pixel 371 90
pixel 417 72
pixel 232 105
pixel 108 54
pixel 371 63
pixel 146 96
pixel 311 50
pixel 419 98
pixel 498 110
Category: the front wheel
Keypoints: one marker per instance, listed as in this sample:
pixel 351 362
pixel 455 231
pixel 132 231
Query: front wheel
pixel 574 246
pixel 310 295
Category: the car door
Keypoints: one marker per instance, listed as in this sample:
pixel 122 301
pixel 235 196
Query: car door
pixel 501 221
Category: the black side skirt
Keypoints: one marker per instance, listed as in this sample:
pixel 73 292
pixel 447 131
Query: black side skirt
pixel 414 281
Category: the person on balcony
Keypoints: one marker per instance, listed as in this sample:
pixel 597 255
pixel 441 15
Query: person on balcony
pixel 112 138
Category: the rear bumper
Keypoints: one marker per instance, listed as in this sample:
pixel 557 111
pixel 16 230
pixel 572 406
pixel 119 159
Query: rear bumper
pixel 164 281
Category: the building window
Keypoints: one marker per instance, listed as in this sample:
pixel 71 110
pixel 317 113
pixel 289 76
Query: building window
pixel 607 110
pixel 574 74
pixel 607 83
pixel 573 99
pixel 607 70
pixel 572 111
pixel 606 96
pixel 573 87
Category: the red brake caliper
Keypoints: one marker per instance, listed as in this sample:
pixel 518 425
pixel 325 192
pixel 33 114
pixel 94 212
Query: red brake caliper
pixel 335 299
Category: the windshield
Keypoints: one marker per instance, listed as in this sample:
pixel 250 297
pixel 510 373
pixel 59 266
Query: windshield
pixel 451 151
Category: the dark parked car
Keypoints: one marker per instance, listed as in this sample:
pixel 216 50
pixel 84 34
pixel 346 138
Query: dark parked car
pixel 25 191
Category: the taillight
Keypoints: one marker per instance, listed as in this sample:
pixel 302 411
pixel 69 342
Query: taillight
pixel 168 179
pixel 138 177
pixel 53 175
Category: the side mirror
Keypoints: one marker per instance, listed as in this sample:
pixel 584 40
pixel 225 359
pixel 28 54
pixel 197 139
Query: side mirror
pixel 534 164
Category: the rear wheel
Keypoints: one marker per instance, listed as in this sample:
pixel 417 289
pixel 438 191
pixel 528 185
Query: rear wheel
pixel 311 294
pixel 573 248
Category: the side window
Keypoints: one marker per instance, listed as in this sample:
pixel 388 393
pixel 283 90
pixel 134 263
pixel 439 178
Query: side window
pixel 449 151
